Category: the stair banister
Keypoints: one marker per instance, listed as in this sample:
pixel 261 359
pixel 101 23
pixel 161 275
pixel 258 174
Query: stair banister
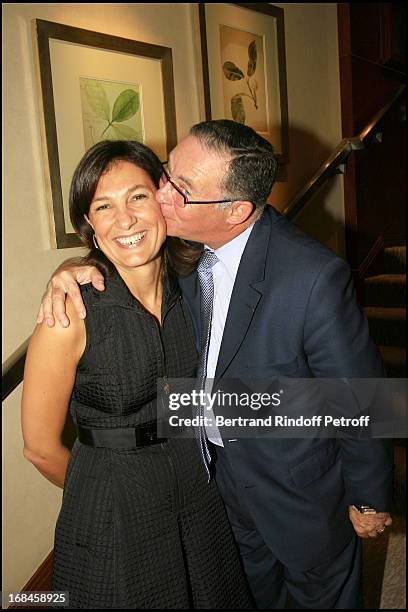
pixel 371 133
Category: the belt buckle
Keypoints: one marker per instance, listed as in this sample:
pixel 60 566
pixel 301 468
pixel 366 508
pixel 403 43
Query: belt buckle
pixel 144 435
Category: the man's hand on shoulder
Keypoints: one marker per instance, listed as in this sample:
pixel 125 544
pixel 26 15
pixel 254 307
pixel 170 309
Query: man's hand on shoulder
pixel 65 282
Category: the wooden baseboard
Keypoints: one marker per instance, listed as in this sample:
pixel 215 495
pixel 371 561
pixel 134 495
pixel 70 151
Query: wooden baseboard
pixel 40 581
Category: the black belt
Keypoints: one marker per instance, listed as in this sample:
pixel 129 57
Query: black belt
pixel 121 438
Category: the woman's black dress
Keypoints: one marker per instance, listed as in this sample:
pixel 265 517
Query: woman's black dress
pixel 139 528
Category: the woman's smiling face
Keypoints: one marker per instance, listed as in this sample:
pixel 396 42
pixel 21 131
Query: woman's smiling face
pixel 125 216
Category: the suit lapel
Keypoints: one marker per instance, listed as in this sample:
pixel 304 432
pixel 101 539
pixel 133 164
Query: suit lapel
pixel 246 294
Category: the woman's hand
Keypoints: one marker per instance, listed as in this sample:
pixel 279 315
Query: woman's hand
pixel 65 282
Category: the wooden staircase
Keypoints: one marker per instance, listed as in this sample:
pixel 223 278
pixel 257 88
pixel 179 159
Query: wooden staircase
pixel 384 304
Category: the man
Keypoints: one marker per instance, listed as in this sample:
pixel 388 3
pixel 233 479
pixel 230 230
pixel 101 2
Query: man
pixel 279 303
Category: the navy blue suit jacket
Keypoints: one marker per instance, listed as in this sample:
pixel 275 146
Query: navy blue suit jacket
pixel 293 312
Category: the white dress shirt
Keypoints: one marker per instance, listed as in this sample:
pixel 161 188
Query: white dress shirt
pixel 224 274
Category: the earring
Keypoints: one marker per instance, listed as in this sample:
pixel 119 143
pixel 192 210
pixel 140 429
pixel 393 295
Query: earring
pixel 95 243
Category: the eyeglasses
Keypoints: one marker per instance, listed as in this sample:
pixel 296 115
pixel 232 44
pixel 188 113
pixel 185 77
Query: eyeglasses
pixel 177 195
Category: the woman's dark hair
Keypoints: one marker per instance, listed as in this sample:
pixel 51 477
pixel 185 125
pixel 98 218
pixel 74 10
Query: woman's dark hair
pixel 179 257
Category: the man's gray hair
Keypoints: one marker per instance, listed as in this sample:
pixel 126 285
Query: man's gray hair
pixel 253 166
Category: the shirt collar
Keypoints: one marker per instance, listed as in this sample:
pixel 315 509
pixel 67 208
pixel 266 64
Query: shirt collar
pixel 230 253
pixel 116 293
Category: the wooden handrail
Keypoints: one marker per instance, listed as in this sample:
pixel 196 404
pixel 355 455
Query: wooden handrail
pixel 339 156
pixel 326 170
pixel 375 122
pixel 13 368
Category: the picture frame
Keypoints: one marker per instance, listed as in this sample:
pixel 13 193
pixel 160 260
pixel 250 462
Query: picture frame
pixel 88 81
pixel 244 69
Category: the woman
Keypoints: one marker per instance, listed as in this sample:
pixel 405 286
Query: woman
pixel 139 526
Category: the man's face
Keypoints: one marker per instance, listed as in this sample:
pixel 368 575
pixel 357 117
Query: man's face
pixel 198 172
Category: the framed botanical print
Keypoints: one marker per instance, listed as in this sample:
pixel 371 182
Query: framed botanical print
pixel 93 87
pixel 244 68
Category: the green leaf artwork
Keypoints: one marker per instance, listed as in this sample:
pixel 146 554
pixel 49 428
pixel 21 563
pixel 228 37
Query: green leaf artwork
pixel 125 106
pixel 97 98
pixel 233 73
pixel 124 132
pixel 110 110
pixel 252 58
pixel 237 109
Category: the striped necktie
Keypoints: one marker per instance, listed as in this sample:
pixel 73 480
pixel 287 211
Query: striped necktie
pixel 205 277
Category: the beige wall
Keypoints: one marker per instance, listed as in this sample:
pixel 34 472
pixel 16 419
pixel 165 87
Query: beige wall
pixel 31 503
pixel 313 83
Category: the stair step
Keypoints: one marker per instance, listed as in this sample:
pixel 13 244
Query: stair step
pixel 386 290
pixel 394 361
pixel 395 260
pixel 387 325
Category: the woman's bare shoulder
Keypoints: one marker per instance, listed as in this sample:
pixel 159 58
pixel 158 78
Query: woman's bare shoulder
pixel 59 338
